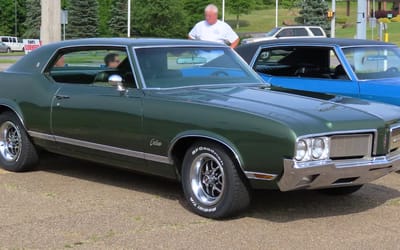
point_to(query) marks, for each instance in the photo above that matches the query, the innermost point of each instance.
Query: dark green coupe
(192, 111)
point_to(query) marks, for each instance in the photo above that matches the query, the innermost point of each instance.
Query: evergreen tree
(160, 18)
(33, 19)
(104, 17)
(119, 17)
(194, 10)
(7, 17)
(313, 12)
(82, 19)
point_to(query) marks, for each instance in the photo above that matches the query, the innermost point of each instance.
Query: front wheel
(211, 182)
(17, 153)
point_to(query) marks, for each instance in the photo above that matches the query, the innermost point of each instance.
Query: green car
(191, 111)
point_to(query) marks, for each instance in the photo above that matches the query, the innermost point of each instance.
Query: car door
(92, 119)
(308, 68)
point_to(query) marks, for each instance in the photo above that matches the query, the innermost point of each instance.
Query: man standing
(212, 29)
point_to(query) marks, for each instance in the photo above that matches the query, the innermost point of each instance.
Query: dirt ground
(68, 203)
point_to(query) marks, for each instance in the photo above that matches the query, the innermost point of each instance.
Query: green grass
(264, 20)
(8, 61)
(12, 54)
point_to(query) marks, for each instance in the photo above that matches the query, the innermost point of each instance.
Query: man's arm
(235, 43)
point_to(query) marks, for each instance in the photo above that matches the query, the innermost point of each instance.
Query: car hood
(306, 111)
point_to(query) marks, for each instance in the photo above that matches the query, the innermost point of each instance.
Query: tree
(194, 10)
(104, 17)
(33, 19)
(160, 18)
(7, 17)
(83, 19)
(240, 7)
(118, 22)
(313, 12)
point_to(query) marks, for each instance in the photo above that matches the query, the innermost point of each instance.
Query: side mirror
(116, 80)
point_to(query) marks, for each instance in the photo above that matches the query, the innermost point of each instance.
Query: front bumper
(328, 174)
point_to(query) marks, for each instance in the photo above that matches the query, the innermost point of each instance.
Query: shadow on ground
(269, 205)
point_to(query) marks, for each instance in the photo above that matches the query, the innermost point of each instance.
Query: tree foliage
(8, 9)
(313, 12)
(33, 19)
(160, 18)
(240, 7)
(104, 17)
(117, 24)
(82, 19)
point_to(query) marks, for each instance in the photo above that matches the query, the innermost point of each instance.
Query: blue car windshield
(174, 67)
(378, 62)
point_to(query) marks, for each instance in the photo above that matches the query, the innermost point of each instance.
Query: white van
(13, 42)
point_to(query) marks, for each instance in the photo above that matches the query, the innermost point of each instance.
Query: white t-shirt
(219, 32)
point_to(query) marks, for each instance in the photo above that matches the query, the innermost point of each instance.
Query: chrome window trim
(126, 47)
(101, 147)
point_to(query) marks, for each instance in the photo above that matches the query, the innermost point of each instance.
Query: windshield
(171, 67)
(374, 62)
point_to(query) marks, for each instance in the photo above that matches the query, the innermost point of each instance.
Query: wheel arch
(182, 142)
(4, 107)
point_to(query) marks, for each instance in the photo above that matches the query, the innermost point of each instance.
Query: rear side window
(300, 32)
(317, 32)
(4, 39)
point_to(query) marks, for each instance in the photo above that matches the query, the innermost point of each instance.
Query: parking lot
(68, 203)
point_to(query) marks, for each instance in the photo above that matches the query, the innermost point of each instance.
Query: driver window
(91, 66)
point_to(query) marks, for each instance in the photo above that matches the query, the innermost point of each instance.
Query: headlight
(312, 149)
(301, 150)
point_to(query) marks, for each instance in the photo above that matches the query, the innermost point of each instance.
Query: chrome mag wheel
(207, 179)
(10, 141)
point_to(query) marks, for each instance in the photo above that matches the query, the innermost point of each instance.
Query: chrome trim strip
(101, 147)
(172, 144)
(253, 175)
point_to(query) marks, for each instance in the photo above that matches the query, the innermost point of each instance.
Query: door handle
(60, 97)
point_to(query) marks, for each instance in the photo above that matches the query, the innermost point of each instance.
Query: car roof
(247, 51)
(342, 42)
(132, 42)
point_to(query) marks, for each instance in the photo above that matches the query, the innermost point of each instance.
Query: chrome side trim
(260, 176)
(101, 147)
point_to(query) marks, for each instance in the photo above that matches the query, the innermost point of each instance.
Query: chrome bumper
(326, 174)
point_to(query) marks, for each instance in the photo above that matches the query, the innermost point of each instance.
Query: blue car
(359, 68)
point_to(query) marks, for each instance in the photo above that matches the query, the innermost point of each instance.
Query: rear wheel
(17, 153)
(211, 182)
(341, 190)
(8, 50)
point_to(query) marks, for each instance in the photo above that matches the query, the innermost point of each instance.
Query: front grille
(394, 138)
(351, 146)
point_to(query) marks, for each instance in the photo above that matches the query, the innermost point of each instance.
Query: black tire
(211, 183)
(341, 190)
(8, 50)
(17, 152)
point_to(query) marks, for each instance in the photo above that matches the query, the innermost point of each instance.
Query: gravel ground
(68, 203)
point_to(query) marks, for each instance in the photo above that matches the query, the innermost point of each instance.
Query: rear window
(317, 32)
(4, 39)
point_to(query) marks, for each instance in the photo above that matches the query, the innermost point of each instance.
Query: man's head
(211, 14)
(112, 60)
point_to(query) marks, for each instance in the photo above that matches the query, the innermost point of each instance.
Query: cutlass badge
(155, 142)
